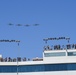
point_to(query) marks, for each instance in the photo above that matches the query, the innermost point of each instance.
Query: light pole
(10, 41)
(17, 57)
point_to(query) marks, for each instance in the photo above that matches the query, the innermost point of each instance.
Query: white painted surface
(44, 73)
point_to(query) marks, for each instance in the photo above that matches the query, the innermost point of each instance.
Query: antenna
(59, 38)
(45, 40)
(68, 39)
(57, 46)
(26, 25)
(4, 40)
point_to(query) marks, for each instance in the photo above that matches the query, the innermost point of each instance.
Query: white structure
(54, 62)
(0, 56)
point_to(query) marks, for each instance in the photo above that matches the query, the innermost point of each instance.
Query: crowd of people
(59, 47)
(9, 59)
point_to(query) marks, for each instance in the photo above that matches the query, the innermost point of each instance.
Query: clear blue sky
(56, 18)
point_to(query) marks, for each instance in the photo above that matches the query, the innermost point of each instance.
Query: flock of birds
(11, 24)
(27, 25)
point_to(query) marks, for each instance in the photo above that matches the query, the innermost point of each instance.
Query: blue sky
(56, 18)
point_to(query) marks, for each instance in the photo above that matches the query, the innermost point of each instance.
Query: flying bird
(36, 24)
(18, 25)
(10, 24)
(27, 25)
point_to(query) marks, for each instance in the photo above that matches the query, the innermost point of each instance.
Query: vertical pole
(17, 60)
(17, 67)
